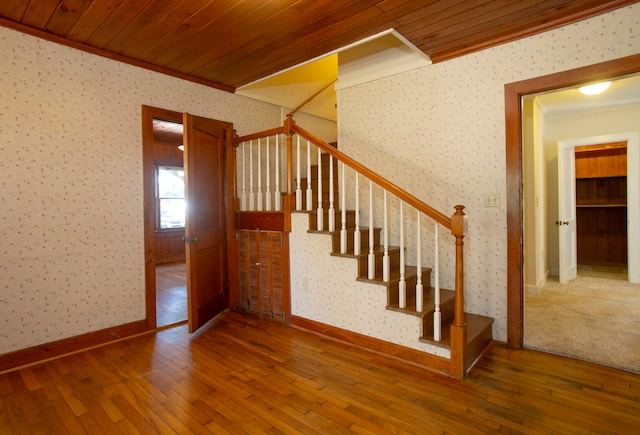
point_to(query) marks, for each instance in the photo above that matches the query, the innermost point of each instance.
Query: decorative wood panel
(264, 274)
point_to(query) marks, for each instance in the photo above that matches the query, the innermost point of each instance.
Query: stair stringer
(324, 289)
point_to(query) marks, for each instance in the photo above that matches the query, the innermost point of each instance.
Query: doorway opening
(515, 173)
(165, 163)
(575, 221)
(185, 216)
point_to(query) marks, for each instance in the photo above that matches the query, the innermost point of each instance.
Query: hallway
(595, 317)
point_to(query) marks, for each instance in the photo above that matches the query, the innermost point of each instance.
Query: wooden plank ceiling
(227, 44)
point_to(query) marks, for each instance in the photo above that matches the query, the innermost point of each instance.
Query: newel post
(289, 198)
(459, 328)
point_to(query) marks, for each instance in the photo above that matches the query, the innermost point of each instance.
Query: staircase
(408, 287)
(479, 332)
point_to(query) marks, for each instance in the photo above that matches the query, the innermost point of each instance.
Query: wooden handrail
(301, 105)
(266, 133)
(382, 182)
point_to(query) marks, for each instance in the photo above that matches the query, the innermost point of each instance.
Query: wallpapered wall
(71, 234)
(439, 133)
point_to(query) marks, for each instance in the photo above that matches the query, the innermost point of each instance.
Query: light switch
(492, 200)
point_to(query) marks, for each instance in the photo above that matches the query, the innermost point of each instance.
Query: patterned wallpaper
(71, 234)
(439, 133)
(71, 247)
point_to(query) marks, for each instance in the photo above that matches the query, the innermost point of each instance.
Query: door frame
(632, 138)
(514, 172)
(149, 205)
(148, 189)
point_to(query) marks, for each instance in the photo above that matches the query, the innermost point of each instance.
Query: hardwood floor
(171, 293)
(240, 374)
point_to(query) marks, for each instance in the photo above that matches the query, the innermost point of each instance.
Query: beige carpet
(595, 317)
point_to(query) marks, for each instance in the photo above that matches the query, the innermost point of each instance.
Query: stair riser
(351, 219)
(364, 240)
(363, 262)
(446, 313)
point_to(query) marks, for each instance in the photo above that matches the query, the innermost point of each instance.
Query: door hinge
(281, 240)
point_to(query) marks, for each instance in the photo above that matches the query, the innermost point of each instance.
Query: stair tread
(428, 303)
(394, 276)
(378, 249)
(476, 324)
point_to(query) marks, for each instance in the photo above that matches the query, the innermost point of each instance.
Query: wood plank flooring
(243, 375)
(171, 293)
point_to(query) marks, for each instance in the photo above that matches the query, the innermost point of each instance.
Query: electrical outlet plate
(492, 200)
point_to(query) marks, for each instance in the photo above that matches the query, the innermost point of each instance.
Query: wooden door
(205, 232)
(567, 238)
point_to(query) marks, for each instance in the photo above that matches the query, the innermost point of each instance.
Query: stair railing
(293, 201)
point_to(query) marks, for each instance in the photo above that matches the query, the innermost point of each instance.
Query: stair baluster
(372, 256)
(343, 210)
(402, 284)
(309, 190)
(259, 193)
(320, 211)
(277, 193)
(357, 248)
(332, 211)
(298, 181)
(385, 231)
(252, 195)
(437, 315)
(267, 194)
(419, 287)
(243, 196)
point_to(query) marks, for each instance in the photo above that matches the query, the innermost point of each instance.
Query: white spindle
(309, 190)
(386, 269)
(436, 284)
(299, 182)
(259, 193)
(343, 229)
(332, 211)
(252, 195)
(372, 256)
(419, 294)
(320, 211)
(267, 194)
(277, 193)
(356, 234)
(243, 197)
(402, 284)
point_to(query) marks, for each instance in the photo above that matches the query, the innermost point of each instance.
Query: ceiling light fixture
(594, 89)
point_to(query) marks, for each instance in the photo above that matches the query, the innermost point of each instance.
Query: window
(170, 200)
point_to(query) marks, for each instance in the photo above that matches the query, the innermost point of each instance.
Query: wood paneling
(226, 44)
(598, 162)
(602, 236)
(169, 246)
